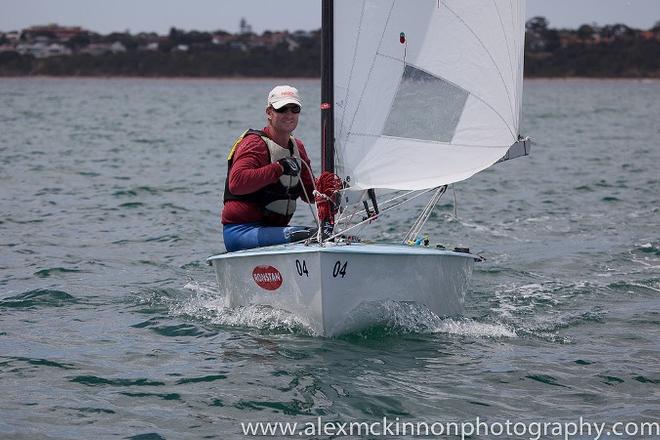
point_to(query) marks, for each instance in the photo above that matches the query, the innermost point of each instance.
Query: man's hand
(290, 166)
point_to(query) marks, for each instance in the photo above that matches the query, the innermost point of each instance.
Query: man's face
(284, 118)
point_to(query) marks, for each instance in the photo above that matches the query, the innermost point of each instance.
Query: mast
(327, 87)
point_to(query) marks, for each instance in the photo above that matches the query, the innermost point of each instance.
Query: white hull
(329, 288)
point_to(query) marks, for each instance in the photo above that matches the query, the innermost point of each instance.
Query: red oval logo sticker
(267, 277)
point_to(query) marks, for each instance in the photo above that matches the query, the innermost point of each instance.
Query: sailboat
(415, 96)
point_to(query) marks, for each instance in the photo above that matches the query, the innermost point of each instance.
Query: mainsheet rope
(326, 190)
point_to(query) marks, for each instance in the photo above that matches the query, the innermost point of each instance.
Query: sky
(105, 16)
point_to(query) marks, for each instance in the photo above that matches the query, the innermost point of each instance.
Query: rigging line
(391, 200)
(350, 219)
(314, 213)
(506, 88)
(381, 212)
(348, 223)
(413, 233)
(415, 228)
(425, 214)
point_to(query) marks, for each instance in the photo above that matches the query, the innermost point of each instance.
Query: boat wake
(208, 306)
(469, 327)
(402, 318)
(387, 318)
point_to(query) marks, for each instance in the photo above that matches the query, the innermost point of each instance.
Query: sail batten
(425, 90)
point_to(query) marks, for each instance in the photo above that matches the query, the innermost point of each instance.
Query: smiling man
(265, 177)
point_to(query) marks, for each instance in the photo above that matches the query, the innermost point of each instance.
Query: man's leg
(270, 235)
(241, 236)
(252, 235)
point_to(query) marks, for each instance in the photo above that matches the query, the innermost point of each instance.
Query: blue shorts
(253, 235)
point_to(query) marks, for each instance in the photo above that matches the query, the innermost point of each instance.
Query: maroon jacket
(251, 170)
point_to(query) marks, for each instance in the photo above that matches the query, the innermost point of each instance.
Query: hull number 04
(339, 269)
(301, 268)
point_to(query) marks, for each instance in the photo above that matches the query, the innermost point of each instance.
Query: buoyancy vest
(277, 200)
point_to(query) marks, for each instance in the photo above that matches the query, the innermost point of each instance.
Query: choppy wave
(35, 362)
(651, 286)
(647, 256)
(512, 300)
(45, 273)
(650, 248)
(162, 326)
(38, 298)
(545, 310)
(147, 436)
(95, 381)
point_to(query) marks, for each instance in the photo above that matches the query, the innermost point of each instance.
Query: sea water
(111, 326)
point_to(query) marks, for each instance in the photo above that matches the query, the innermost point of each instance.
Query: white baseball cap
(283, 95)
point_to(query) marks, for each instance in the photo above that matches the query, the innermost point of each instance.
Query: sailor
(265, 177)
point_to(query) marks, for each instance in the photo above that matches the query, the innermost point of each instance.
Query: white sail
(435, 109)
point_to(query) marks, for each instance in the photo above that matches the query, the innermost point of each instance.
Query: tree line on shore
(589, 51)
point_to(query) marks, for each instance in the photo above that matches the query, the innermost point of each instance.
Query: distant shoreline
(589, 52)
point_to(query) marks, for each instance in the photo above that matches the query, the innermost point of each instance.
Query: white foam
(206, 304)
(200, 288)
(408, 317)
(401, 317)
(475, 329)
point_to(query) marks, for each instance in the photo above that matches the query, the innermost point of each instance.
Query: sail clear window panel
(425, 107)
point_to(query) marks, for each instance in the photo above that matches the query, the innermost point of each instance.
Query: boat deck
(343, 248)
